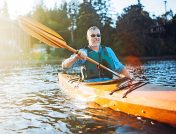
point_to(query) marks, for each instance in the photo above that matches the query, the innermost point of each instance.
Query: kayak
(149, 101)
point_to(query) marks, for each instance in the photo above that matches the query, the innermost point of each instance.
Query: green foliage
(86, 18)
(131, 27)
(102, 8)
(130, 36)
(73, 10)
(39, 13)
(56, 19)
(133, 37)
(108, 34)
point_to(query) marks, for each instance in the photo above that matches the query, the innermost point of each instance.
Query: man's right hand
(81, 55)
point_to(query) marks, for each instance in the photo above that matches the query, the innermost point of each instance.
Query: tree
(102, 8)
(86, 18)
(131, 27)
(108, 34)
(39, 13)
(58, 20)
(73, 9)
(4, 10)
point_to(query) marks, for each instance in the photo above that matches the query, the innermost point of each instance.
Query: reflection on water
(31, 102)
(157, 72)
(161, 72)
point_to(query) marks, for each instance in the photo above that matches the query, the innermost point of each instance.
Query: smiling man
(96, 51)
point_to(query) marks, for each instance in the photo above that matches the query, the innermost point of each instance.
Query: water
(31, 102)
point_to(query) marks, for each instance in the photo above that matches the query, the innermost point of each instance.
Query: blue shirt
(118, 65)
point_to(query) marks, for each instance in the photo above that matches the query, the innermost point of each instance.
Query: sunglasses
(93, 35)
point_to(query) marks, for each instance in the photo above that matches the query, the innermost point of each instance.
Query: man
(99, 53)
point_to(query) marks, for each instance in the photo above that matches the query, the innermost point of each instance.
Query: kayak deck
(153, 102)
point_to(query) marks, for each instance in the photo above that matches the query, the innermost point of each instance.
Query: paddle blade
(40, 26)
(37, 36)
(41, 32)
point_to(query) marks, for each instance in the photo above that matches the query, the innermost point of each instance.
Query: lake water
(31, 102)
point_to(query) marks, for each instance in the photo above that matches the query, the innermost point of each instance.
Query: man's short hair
(92, 28)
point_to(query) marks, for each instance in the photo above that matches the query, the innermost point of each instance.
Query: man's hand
(81, 55)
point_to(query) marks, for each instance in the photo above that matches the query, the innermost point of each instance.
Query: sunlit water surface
(31, 102)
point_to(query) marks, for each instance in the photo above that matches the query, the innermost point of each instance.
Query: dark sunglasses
(93, 35)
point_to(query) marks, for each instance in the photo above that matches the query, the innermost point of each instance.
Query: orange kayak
(149, 101)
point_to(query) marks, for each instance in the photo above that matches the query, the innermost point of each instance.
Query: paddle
(52, 38)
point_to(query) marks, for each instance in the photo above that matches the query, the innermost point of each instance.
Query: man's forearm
(69, 62)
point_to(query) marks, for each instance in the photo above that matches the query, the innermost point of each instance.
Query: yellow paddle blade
(37, 28)
(38, 36)
(40, 26)
(42, 35)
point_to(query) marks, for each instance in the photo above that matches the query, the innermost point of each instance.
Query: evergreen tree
(131, 28)
(73, 9)
(58, 20)
(86, 18)
(102, 8)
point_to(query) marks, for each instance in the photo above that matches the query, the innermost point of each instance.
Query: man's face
(94, 38)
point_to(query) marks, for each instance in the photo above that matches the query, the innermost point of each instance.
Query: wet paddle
(50, 37)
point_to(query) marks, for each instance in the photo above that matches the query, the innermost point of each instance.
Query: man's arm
(69, 62)
(74, 58)
(119, 67)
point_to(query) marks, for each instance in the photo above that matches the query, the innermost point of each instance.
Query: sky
(157, 7)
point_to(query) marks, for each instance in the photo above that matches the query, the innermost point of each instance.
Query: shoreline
(127, 59)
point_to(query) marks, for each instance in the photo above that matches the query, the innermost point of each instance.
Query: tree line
(134, 32)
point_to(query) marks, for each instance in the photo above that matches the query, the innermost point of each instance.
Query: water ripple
(32, 103)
